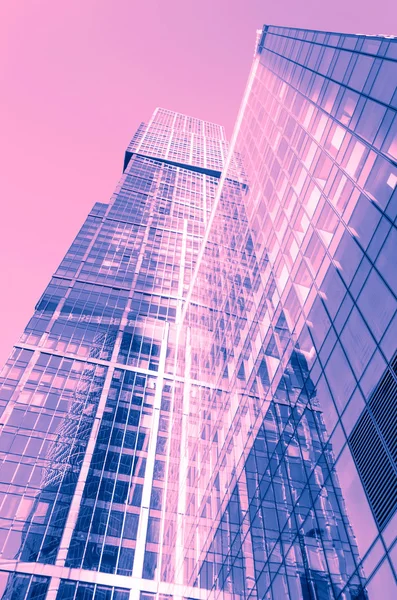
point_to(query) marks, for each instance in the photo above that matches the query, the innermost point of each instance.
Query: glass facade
(87, 394)
(291, 319)
(204, 404)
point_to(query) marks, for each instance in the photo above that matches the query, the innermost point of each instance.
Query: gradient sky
(76, 79)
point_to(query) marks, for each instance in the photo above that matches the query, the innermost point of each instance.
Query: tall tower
(292, 318)
(87, 393)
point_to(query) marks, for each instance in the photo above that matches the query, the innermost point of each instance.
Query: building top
(185, 141)
(369, 43)
(178, 121)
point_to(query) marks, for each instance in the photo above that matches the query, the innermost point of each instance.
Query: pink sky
(77, 77)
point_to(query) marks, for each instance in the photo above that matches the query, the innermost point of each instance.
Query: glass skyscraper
(204, 404)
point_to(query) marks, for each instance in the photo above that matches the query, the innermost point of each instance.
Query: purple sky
(77, 77)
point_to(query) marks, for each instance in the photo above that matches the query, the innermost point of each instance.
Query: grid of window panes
(293, 446)
(87, 394)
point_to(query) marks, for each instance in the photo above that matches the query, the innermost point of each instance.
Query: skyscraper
(204, 402)
(292, 319)
(87, 392)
